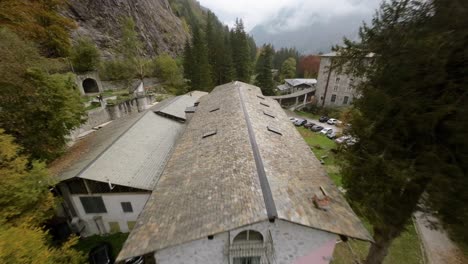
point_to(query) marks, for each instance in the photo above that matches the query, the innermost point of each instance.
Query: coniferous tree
(241, 52)
(264, 78)
(201, 68)
(188, 62)
(411, 118)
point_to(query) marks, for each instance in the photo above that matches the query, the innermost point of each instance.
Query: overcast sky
(255, 12)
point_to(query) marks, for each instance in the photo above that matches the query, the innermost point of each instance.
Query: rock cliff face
(159, 29)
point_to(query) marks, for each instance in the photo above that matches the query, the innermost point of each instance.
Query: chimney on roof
(321, 199)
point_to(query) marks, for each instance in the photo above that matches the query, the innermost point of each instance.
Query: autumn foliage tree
(38, 108)
(308, 66)
(40, 22)
(25, 203)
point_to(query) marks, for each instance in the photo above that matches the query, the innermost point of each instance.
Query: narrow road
(438, 247)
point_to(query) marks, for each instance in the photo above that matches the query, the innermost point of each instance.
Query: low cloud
(284, 15)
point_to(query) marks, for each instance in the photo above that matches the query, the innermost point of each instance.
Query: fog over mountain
(309, 25)
(318, 36)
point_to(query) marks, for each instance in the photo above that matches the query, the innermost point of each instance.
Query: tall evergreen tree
(411, 119)
(241, 52)
(201, 79)
(264, 78)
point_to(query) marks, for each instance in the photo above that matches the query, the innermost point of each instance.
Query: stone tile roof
(237, 165)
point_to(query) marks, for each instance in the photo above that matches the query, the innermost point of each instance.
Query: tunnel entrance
(90, 86)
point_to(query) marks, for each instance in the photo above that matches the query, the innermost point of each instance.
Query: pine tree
(264, 78)
(411, 119)
(201, 79)
(241, 52)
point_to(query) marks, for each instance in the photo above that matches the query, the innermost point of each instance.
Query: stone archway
(90, 86)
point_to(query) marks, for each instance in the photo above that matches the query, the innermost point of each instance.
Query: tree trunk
(379, 250)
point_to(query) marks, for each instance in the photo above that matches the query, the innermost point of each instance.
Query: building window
(333, 98)
(345, 100)
(248, 235)
(351, 84)
(248, 247)
(335, 88)
(247, 260)
(93, 205)
(127, 207)
(337, 80)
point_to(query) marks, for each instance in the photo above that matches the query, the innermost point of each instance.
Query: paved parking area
(325, 125)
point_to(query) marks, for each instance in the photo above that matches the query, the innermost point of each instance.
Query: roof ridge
(264, 184)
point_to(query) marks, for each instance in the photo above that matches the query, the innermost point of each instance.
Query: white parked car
(326, 131)
(293, 119)
(342, 139)
(332, 121)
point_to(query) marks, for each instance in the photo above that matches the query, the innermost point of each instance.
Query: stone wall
(118, 85)
(292, 244)
(112, 112)
(340, 85)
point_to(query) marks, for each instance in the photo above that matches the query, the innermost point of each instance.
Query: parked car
(332, 121)
(332, 135)
(300, 122)
(323, 119)
(342, 139)
(292, 119)
(309, 125)
(326, 131)
(316, 128)
(101, 254)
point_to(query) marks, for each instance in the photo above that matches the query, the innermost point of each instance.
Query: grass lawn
(405, 249)
(116, 240)
(322, 148)
(307, 114)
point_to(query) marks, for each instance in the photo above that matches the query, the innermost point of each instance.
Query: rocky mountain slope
(159, 28)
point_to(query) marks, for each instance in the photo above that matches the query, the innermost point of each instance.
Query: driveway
(438, 247)
(315, 121)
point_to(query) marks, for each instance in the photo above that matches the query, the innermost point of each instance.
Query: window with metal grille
(247, 260)
(127, 207)
(333, 98)
(93, 205)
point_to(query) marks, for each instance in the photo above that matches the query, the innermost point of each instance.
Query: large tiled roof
(231, 168)
(176, 108)
(131, 151)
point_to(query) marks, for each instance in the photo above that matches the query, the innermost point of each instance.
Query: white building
(335, 88)
(107, 178)
(294, 85)
(241, 187)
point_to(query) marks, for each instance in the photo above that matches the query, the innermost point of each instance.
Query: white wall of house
(290, 242)
(115, 213)
(341, 85)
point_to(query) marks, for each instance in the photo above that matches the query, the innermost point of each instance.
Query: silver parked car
(326, 131)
